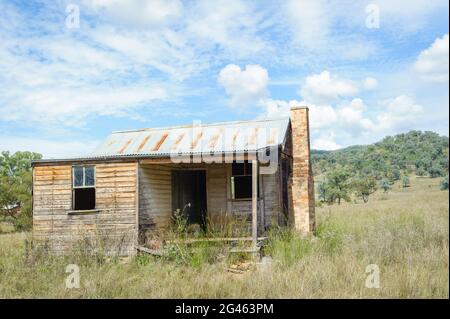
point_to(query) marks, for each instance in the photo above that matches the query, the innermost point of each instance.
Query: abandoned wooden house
(135, 182)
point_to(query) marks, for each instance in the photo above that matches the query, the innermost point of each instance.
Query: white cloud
(432, 64)
(309, 21)
(325, 141)
(408, 17)
(370, 83)
(47, 147)
(137, 12)
(400, 113)
(351, 116)
(324, 88)
(72, 106)
(229, 27)
(246, 86)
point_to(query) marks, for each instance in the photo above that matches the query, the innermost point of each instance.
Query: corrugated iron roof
(194, 139)
(216, 138)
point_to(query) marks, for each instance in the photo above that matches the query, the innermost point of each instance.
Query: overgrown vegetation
(422, 153)
(405, 234)
(360, 170)
(15, 188)
(403, 228)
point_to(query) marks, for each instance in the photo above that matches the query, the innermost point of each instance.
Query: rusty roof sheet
(224, 137)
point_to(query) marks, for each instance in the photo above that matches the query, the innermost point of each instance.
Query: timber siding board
(155, 197)
(115, 220)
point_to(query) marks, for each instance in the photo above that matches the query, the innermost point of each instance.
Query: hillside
(421, 153)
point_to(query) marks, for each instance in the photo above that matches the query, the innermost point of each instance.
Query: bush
(435, 171)
(405, 181)
(384, 184)
(444, 183)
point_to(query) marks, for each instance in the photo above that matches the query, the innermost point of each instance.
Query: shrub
(384, 184)
(405, 181)
(444, 183)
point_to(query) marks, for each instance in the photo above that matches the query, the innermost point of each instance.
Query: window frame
(84, 186)
(245, 174)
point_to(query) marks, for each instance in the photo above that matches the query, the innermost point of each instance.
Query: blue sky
(366, 69)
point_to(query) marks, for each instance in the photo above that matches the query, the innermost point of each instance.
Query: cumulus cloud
(432, 64)
(324, 88)
(399, 113)
(352, 116)
(325, 141)
(246, 86)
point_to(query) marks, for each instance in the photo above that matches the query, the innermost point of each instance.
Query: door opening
(189, 195)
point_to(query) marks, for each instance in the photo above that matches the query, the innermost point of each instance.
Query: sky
(71, 72)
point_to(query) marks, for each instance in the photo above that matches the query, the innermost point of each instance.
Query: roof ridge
(202, 124)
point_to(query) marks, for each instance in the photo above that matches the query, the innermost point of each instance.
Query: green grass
(405, 232)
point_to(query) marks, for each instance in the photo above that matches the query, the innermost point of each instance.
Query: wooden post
(254, 203)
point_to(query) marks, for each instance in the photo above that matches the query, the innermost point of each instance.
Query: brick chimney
(302, 183)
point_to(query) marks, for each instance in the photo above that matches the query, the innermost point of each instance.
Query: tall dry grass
(404, 232)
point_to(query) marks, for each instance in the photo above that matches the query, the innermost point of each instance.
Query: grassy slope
(405, 233)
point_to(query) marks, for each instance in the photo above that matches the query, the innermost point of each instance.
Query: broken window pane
(238, 169)
(242, 187)
(84, 198)
(89, 176)
(248, 168)
(77, 176)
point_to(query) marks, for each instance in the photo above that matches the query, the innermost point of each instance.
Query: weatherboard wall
(112, 227)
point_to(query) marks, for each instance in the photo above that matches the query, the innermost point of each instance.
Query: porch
(207, 195)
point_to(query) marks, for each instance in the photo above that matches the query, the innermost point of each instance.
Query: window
(241, 180)
(83, 192)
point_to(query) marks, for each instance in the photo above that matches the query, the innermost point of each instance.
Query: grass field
(404, 232)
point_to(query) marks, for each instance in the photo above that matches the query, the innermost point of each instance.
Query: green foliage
(337, 185)
(405, 181)
(15, 186)
(384, 184)
(425, 153)
(364, 187)
(444, 183)
(435, 170)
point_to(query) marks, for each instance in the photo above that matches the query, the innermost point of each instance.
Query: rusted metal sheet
(208, 138)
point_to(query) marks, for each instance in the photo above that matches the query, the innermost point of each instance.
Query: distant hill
(422, 153)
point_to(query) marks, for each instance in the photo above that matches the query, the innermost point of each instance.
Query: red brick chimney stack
(302, 176)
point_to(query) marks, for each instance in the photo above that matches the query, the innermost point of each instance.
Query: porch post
(254, 202)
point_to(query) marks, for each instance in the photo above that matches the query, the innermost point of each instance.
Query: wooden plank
(150, 251)
(255, 202)
(219, 239)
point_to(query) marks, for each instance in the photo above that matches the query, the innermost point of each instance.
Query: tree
(420, 171)
(435, 170)
(396, 174)
(16, 185)
(405, 181)
(444, 183)
(337, 185)
(426, 153)
(322, 190)
(385, 185)
(364, 187)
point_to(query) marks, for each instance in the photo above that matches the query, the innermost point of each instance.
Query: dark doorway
(189, 195)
